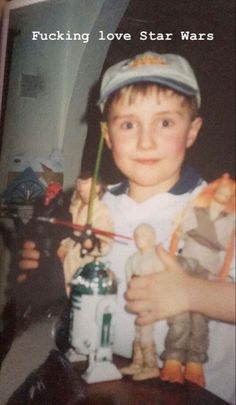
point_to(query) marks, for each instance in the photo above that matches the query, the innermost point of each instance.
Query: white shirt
(160, 211)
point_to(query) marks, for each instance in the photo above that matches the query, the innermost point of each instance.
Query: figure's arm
(64, 247)
(159, 296)
(103, 221)
(128, 270)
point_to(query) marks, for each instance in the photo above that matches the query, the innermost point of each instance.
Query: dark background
(212, 61)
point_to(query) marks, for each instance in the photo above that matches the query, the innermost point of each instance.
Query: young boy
(150, 104)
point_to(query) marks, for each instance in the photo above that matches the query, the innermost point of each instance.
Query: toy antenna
(95, 175)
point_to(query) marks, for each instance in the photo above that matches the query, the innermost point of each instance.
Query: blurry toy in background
(83, 246)
(204, 235)
(47, 169)
(27, 179)
(44, 286)
(93, 295)
(18, 198)
(25, 188)
(144, 261)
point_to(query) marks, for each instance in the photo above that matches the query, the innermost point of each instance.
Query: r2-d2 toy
(93, 294)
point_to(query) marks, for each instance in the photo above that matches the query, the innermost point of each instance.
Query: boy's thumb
(165, 257)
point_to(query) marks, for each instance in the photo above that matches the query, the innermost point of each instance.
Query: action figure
(206, 233)
(144, 261)
(39, 289)
(79, 254)
(83, 247)
(93, 294)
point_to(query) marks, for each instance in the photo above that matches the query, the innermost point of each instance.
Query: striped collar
(188, 181)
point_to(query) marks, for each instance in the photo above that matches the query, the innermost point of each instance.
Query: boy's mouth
(147, 162)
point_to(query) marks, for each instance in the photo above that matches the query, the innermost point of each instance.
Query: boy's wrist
(213, 298)
(193, 294)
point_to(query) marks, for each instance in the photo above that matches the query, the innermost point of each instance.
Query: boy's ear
(105, 133)
(194, 131)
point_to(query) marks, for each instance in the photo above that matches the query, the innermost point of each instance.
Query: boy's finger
(135, 294)
(29, 244)
(138, 282)
(28, 264)
(145, 319)
(30, 254)
(168, 261)
(138, 307)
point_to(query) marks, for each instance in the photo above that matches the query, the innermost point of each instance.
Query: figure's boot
(194, 372)
(172, 371)
(137, 360)
(150, 369)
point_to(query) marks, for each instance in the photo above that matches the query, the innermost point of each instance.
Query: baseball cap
(170, 70)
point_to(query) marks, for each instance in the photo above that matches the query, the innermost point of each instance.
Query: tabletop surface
(63, 383)
(148, 392)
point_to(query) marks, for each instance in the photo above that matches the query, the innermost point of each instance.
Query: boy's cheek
(118, 144)
(175, 146)
(112, 138)
(118, 153)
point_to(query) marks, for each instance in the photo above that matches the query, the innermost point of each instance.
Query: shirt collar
(188, 181)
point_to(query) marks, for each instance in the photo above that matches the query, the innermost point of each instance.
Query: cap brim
(172, 84)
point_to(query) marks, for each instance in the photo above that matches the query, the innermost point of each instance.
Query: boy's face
(148, 139)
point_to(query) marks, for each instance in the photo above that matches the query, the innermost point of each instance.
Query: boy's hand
(159, 295)
(29, 256)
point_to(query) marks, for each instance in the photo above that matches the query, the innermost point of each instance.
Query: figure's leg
(197, 349)
(150, 369)
(174, 355)
(71, 263)
(172, 371)
(137, 360)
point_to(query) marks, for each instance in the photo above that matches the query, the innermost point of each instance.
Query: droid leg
(73, 356)
(91, 361)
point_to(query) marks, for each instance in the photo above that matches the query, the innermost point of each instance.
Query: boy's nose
(146, 139)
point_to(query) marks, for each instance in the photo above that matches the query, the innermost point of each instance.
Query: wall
(54, 119)
(88, 70)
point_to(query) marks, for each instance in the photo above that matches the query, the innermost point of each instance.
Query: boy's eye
(166, 123)
(127, 125)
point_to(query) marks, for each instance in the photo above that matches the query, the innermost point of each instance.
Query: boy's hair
(143, 88)
(168, 70)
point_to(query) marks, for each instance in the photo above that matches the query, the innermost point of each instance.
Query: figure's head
(225, 191)
(84, 184)
(220, 191)
(145, 237)
(150, 104)
(52, 190)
